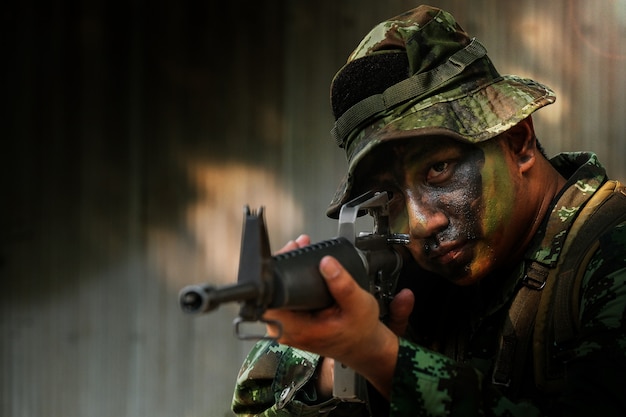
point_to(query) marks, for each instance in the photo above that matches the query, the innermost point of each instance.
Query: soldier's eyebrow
(428, 146)
(386, 165)
(410, 153)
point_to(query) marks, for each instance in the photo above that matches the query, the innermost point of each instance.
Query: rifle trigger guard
(241, 335)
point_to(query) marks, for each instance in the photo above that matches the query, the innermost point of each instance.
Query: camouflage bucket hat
(419, 74)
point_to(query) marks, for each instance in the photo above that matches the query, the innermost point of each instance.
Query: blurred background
(134, 133)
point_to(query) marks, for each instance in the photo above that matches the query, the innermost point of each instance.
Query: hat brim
(470, 116)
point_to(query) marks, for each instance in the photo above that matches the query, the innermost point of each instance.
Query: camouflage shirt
(446, 369)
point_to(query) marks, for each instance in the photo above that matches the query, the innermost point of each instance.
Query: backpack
(544, 314)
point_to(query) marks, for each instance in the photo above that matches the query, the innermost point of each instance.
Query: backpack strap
(557, 321)
(517, 328)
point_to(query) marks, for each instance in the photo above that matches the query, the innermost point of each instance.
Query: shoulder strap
(557, 321)
(517, 329)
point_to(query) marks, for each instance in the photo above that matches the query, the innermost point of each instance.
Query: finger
(325, 378)
(343, 288)
(301, 241)
(273, 329)
(400, 310)
(291, 245)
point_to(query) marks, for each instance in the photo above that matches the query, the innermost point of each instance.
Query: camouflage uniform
(419, 74)
(455, 379)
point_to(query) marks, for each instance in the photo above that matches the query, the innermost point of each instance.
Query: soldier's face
(456, 202)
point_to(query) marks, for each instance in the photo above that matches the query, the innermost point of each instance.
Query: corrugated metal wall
(134, 134)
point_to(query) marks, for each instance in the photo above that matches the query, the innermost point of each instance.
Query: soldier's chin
(464, 274)
(471, 274)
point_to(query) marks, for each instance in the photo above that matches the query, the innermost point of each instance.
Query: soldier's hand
(348, 331)
(400, 310)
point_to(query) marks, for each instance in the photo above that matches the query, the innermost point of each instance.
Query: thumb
(341, 285)
(400, 310)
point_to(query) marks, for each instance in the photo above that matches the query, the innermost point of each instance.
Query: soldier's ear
(523, 144)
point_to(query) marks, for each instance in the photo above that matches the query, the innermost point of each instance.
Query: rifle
(292, 280)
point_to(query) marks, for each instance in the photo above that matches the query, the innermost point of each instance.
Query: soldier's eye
(437, 170)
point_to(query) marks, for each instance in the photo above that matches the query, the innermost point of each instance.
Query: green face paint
(498, 189)
(498, 207)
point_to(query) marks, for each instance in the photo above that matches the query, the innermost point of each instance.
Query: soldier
(518, 305)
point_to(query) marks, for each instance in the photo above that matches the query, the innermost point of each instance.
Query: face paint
(499, 199)
(453, 199)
